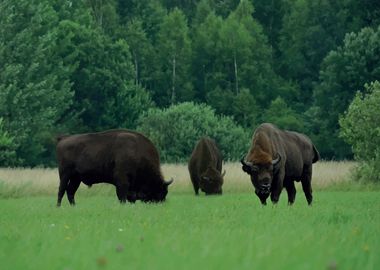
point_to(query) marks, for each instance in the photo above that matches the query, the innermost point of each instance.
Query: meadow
(233, 231)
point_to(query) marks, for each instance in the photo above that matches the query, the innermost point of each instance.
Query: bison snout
(264, 188)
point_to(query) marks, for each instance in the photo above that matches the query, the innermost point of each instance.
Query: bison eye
(255, 168)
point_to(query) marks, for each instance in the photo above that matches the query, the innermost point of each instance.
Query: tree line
(83, 66)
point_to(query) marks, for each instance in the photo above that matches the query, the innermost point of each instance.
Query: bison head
(155, 193)
(211, 181)
(262, 175)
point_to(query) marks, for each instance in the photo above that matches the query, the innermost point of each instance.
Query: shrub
(360, 127)
(176, 130)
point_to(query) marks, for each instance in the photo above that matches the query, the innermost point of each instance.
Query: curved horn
(167, 183)
(224, 173)
(249, 164)
(277, 160)
(206, 178)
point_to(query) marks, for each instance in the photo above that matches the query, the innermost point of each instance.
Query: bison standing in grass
(124, 158)
(205, 166)
(276, 159)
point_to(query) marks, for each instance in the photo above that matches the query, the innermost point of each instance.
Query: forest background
(177, 70)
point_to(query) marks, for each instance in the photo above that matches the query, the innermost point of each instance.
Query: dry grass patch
(29, 182)
(325, 174)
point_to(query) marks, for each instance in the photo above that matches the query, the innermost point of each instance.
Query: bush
(176, 130)
(7, 148)
(360, 127)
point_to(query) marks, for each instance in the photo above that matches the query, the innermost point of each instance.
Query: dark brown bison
(205, 166)
(276, 159)
(124, 158)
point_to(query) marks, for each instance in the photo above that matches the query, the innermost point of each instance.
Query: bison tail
(316, 154)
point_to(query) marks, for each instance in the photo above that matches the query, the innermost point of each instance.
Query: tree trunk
(96, 6)
(173, 83)
(204, 81)
(236, 76)
(136, 71)
(271, 41)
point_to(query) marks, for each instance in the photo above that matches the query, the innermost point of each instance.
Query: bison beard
(124, 158)
(276, 159)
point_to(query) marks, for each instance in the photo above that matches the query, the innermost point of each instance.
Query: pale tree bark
(136, 70)
(173, 98)
(97, 6)
(236, 75)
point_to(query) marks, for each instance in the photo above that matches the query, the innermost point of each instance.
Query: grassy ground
(340, 231)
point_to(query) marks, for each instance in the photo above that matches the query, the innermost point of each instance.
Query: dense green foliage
(7, 147)
(176, 130)
(232, 231)
(361, 128)
(344, 72)
(84, 66)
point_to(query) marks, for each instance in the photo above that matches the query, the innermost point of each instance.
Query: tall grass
(31, 182)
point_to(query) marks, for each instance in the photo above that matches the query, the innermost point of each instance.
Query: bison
(276, 159)
(205, 166)
(124, 158)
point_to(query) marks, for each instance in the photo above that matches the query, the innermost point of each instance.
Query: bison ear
(276, 163)
(247, 166)
(167, 183)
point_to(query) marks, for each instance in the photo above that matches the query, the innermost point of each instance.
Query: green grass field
(233, 231)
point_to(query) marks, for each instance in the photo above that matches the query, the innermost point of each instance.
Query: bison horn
(224, 173)
(247, 166)
(206, 178)
(277, 160)
(167, 183)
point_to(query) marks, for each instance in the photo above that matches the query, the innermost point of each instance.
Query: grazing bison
(124, 158)
(205, 166)
(276, 159)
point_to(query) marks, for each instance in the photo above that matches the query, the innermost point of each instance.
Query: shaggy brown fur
(262, 153)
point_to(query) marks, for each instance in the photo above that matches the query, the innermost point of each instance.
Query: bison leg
(64, 180)
(277, 186)
(195, 182)
(275, 197)
(131, 197)
(196, 188)
(121, 192)
(71, 189)
(291, 189)
(306, 184)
